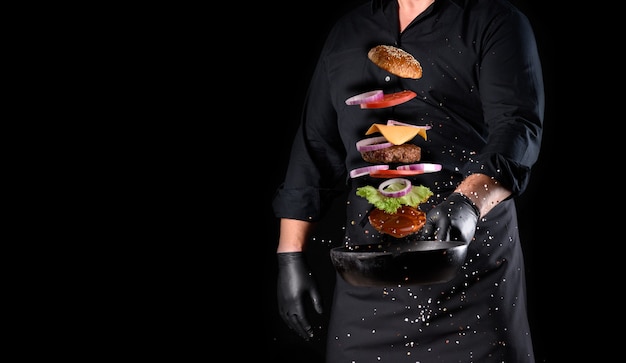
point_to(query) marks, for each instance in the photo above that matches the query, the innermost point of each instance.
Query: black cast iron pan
(399, 263)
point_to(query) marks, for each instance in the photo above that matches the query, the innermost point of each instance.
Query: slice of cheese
(395, 134)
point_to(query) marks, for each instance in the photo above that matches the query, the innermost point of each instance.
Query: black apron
(479, 316)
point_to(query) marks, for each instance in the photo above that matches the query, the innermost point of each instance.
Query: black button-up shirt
(481, 92)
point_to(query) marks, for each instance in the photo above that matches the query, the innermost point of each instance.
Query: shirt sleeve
(316, 171)
(512, 94)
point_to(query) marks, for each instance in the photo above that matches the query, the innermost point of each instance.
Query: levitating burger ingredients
(396, 61)
(392, 146)
(405, 153)
(397, 133)
(407, 220)
(365, 97)
(396, 204)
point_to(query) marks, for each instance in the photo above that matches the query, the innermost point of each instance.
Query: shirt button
(387, 79)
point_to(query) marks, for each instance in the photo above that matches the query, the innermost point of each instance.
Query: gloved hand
(454, 219)
(295, 284)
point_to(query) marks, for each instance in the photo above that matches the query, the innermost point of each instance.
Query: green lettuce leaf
(418, 194)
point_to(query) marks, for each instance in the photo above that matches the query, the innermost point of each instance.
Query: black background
(546, 210)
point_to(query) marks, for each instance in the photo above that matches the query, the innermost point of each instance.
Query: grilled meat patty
(405, 153)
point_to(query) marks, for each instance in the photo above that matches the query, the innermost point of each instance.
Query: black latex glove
(295, 284)
(453, 220)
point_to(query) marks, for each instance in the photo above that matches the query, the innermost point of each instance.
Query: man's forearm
(293, 235)
(484, 191)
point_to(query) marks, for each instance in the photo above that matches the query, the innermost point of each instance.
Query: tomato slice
(390, 99)
(394, 173)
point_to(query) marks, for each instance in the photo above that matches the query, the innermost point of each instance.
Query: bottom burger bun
(405, 221)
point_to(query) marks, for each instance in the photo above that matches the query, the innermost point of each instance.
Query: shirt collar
(380, 4)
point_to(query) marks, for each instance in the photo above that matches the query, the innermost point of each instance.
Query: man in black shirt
(481, 93)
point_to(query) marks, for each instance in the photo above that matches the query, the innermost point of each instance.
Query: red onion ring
(367, 169)
(366, 97)
(398, 123)
(395, 194)
(425, 167)
(372, 143)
